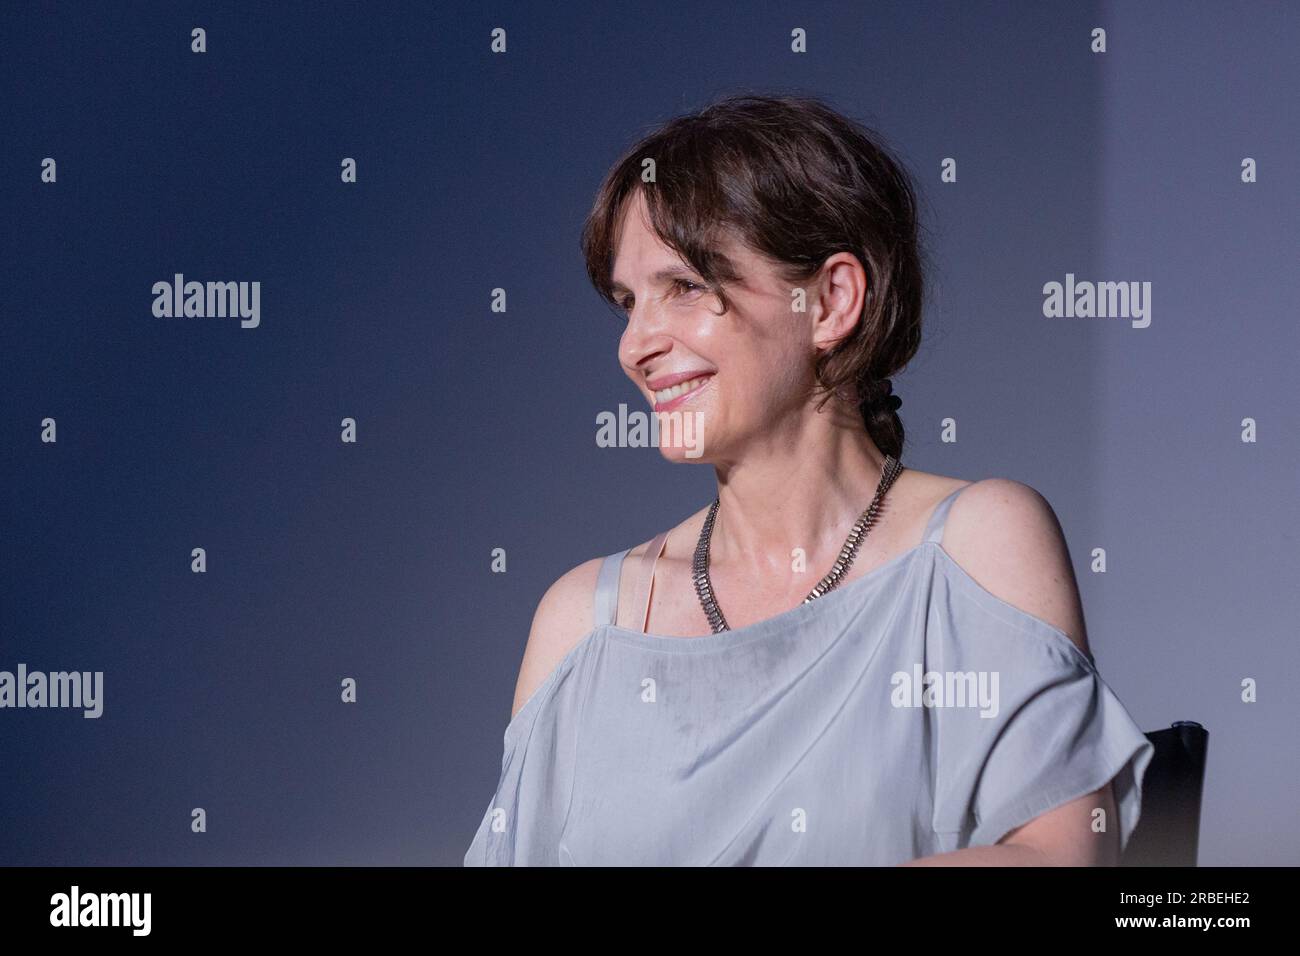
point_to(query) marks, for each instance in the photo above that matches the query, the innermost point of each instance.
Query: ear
(838, 293)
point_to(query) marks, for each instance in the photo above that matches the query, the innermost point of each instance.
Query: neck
(800, 486)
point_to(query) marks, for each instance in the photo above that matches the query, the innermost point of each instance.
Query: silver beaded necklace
(700, 574)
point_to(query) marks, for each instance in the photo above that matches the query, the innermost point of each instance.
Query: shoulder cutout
(562, 619)
(1006, 537)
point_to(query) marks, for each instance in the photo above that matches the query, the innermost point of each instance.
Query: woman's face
(731, 378)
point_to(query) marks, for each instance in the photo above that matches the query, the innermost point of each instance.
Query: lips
(676, 378)
(678, 388)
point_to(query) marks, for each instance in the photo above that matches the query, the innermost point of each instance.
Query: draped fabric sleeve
(525, 817)
(1046, 730)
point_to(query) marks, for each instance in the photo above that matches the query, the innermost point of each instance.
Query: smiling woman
(732, 695)
(752, 200)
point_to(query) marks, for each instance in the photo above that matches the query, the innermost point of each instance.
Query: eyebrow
(671, 272)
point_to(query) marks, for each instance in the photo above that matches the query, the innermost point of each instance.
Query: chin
(681, 435)
(683, 456)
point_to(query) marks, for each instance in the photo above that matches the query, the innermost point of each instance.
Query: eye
(683, 286)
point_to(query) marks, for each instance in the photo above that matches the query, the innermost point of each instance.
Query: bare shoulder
(565, 614)
(562, 619)
(681, 536)
(678, 551)
(1005, 535)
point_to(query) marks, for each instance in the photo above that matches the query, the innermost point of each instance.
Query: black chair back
(1168, 831)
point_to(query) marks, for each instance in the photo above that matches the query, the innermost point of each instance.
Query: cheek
(777, 359)
(764, 361)
(757, 384)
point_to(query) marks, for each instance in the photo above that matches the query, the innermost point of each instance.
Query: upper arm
(1065, 836)
(563, 616)
(1005, 535)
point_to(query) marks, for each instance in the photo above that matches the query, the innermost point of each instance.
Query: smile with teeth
(680, 389)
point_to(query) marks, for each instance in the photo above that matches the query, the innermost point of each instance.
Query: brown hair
(797, 182)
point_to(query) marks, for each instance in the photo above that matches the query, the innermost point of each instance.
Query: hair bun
(883, 398)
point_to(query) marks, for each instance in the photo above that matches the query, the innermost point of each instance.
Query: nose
(644, 337)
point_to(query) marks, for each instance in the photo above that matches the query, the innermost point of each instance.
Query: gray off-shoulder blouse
(906, 713)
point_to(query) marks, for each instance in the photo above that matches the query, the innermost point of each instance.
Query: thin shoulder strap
(939, 517)
(605, 606)
(645, 580)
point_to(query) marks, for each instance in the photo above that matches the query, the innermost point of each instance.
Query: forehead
(639, 251)
(636, 245)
